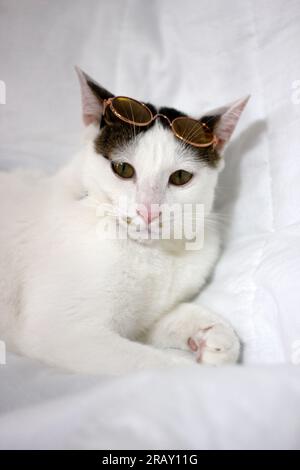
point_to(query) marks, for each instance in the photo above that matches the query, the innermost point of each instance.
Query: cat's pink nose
(148, 213)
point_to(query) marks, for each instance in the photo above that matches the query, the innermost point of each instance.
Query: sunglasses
(134, 112)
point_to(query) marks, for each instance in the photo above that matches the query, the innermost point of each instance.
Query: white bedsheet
(193, 55)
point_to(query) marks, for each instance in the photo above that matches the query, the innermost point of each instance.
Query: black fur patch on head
(206, 154)
(114, 136)
(171, 114)
(118, 134)
(211, 121)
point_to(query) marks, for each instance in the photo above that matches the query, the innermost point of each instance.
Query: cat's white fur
(90, 304)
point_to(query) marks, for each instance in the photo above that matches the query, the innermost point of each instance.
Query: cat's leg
(194, 328)
(92, 350)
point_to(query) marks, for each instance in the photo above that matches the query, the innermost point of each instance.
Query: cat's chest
(147, 282)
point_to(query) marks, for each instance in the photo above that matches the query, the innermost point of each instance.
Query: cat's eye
(123, 169)
(180, 177)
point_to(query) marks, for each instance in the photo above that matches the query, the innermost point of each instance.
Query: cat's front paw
(215, 345)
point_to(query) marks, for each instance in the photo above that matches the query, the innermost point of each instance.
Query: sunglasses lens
(131, 111)
(191, 131)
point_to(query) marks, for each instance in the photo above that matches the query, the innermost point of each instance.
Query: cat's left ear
(222, 121)
(92, 96)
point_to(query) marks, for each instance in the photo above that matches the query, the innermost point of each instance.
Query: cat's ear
(92, 96)
(222, 121)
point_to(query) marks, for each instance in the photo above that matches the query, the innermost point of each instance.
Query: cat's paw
(215, 345)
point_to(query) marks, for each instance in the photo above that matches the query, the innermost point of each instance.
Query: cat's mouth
(182, 224)
(137, 229)
(162, 228)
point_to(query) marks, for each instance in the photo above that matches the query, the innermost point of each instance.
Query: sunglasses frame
(109, 103)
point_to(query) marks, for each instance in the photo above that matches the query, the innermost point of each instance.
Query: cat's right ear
(92, 96)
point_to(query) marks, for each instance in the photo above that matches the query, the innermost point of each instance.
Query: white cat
(89, 303)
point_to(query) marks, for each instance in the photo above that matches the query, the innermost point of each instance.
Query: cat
(88, 303)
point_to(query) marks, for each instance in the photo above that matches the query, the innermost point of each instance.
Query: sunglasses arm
(106, 103)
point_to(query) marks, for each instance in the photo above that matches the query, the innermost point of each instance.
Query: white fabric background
(194, 55)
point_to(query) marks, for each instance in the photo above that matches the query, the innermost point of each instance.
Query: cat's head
(150, 167)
